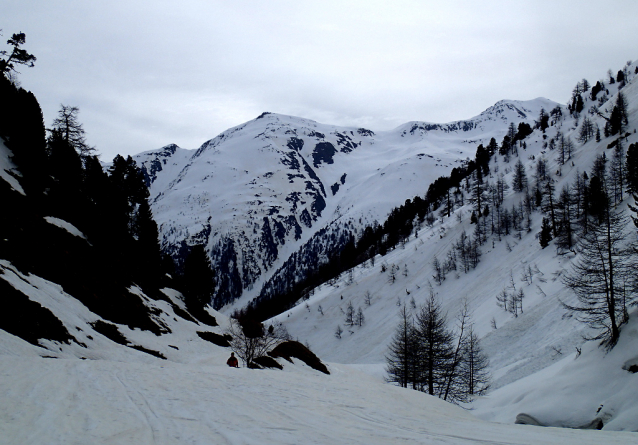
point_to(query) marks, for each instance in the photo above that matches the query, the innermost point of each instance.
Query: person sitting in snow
(232, 361)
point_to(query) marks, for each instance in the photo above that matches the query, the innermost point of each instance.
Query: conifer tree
(546, 233)
(631, 168)
(564, 213)
(474, 369)
(519, 183)
(548, 204)
(350, 315)
(618, 118)
(598, 276)
(617, 172)
(198, 279)
(17, 55)
(401, 360)
(435, 348)
(71, 130)
(587, 130)
(543, 120)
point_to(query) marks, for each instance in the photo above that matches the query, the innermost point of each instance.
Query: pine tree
(543, 120)
(150, 253)
(17, 56)
(618, 118)
(597, 199)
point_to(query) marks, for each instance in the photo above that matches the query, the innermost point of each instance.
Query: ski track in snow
(105, 402)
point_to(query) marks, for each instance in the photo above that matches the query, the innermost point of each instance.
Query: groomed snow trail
(47, 401)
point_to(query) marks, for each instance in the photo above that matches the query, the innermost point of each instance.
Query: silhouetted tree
(16, 56)
(198, 279)
(546, 233)
(71, 130)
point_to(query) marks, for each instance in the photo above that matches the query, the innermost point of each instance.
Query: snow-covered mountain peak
(492, 122)
(256, 192)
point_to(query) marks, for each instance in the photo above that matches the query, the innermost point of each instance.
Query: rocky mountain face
(258, 192)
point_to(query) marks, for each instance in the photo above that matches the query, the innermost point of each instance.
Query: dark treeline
(60, 178)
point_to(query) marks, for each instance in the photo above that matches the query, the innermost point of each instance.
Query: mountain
(95, 345)
(258, 192)
(540, 363)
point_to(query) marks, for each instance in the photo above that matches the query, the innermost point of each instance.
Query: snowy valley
(90, 357)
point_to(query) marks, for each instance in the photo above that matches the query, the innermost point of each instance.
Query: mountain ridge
(323, 168)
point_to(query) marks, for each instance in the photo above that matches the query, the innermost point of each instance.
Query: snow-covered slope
(535, 365)
(257, 192)
(180, 341)
(105, 402)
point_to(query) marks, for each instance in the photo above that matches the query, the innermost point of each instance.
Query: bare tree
(68, 125)
(401, 358)
(350, 314)
(360, 318)
(367, 298)
(451, 388)
(251, 340)
(474, 370)
(598, 277)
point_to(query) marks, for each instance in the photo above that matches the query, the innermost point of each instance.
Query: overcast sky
(148, 73)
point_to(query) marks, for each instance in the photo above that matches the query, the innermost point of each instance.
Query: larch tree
(631, 168)
(474, 367)
(519, 182)
(69, 126)
(599, 276)
(435, 348)
(400, 361)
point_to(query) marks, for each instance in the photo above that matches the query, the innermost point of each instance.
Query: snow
(227, 186)
(65, 225)
(7, 167)
(532, 356)
(102, 401)
(117, 394)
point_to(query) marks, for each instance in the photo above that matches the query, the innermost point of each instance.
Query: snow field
(108, 402)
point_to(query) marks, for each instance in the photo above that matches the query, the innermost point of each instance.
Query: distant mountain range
(256, 193)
